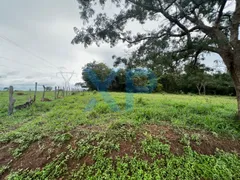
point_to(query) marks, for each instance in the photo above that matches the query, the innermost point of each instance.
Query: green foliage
(196, 138)
(140, 101)
(153, 147)
(62, 137)
(189, 78)
(191, 166)
(3, 169)
(94, 74)
(102, 108)
(93, 141)
(165, 54)
(159, 88)
(185, 139)
(53, 170)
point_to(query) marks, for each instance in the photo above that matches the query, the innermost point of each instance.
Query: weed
(3, 169)
(185, 139)
(153, 147)
(62, 137)
(92, 115)
(196, 138)
(140, 101)
(99, 133)
(102, 108)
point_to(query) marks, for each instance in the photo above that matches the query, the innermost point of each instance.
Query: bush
(20, 93)
(141, 101)
(159, 88)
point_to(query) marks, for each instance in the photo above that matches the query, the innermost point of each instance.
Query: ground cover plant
(163, 136)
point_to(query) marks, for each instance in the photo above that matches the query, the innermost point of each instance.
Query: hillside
(94, 136)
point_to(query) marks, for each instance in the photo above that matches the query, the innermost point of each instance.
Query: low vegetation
(162, 136)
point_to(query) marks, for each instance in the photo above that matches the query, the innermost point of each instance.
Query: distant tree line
(168, 77)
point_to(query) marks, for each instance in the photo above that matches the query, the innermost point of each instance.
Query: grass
(85, 139)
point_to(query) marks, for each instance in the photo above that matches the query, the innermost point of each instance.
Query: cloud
(41, 34)
(13, 73)
(3, 76)
(43, 29)
(29, 77)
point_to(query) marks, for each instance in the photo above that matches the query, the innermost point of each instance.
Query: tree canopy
(191, 79)
(184, 30)
(192, 26)
(95, 74)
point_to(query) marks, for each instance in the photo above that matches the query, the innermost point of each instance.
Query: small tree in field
(94, 74)
(48, 88)
(192, 27)
(198, 75)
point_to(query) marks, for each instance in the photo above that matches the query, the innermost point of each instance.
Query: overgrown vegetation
(189, 78)
(162, 137)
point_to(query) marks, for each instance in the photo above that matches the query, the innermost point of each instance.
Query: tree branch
(168, 33)
(220, 13)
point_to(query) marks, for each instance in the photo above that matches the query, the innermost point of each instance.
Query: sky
(35, 43)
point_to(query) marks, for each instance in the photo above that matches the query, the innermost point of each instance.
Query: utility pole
(67, 76)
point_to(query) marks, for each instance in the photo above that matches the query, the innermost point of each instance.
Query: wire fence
(12, 99)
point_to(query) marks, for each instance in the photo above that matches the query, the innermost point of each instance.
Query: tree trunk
(204, 89)
(199, 87)
(235, 74)
(231, 56)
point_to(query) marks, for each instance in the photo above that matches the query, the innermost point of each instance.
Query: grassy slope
(164, 136)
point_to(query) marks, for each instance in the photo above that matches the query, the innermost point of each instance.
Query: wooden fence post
(58, 92)
(63, 92)
(29, 94)
(55, 92)
(43, 96)
(11, 101)
(35, 93)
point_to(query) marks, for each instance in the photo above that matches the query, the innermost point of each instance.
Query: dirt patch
(74, 163)
(126, 148)
(37, 155)
(89, 128)
(42, 152)
(87, 160)
(208, 144)
(20, 93)
(167, 135)
(5, 153)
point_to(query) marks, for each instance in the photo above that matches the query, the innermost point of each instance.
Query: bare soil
(40, 153)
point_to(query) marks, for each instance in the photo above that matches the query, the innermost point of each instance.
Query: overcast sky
(35, 42)
(44, 28)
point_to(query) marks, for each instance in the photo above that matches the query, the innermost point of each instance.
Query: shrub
(159, 88)
(20, 93)
(102, 108)
(141, 101)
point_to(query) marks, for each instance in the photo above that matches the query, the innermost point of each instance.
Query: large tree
(193, 27)
(96, 75)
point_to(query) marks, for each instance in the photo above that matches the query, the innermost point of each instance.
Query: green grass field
(163, 137)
